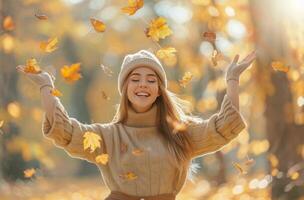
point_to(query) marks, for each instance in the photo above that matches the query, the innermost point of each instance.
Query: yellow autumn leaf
(31, 66)
(279, 66)
(50, 45)
(56, 92)
(158, 29)
(8, 23)
(28, 173)
(128, 176)
(166, 52)
(103, 158)
(71, 73)
(91, 140)
(1, 123)
(98, 25)
(133, 6)
(186, 79)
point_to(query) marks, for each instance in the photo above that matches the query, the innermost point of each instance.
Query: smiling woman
(146, 151)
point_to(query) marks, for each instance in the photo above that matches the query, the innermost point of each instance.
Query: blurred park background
(264, 162)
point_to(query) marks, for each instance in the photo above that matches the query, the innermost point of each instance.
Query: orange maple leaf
(98, 25)
(50, 45)
(56, 92)
(158, 29)
(133, 6)
(8, 23)
(71, 73)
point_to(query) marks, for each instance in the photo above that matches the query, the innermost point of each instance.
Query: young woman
(149, 155)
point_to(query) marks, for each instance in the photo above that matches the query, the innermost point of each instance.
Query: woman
(149, 155)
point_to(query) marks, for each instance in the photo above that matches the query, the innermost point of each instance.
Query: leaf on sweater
(28, 173)
(50, 45)
(32, 67)
(137, 152)
(209, 36)
(166, 52)
(158, 29)
(98, 25)
(55, 92)
(128, 176)
(279, 66)
(91, 140)
(133, 6)
(103, 158)
(8, 23)
(106, 70)
(71, 73)
(41, 16)
(186, 79)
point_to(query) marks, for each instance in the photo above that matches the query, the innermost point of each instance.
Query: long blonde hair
(171, 110)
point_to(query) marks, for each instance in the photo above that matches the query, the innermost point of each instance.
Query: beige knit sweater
(154, 171)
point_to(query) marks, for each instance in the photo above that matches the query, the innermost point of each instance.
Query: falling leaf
(50, 45)
(8, 23)
(279, 66)
(103, 158)
(133, 6)
(239, 168)
(128, 176)
(71, 73)
(209, 36)
(91, 140)
(32, 66)
(137, 152)
(166, 52)
(106, 70)
(123, 147)
(1, 123)
(158, 29)
(186, 79)
(56, 92)
(104, 95)
(41, 16)
(28, 173)
(98, 25)
(216, 56)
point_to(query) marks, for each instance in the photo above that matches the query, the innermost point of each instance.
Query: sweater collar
(144, 119)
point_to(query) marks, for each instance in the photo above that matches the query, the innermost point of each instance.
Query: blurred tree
(284, 135)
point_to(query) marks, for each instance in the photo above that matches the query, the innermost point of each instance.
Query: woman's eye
(151, 81)
(135, 80)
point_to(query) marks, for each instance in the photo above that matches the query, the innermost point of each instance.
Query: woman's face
(142, 88)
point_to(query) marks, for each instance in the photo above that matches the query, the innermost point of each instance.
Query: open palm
(235, 69)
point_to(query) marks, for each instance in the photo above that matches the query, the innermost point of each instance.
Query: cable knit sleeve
(67, 133)
(212, 134)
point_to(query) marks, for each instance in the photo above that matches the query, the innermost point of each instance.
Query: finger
(235, 59)
(250, 57)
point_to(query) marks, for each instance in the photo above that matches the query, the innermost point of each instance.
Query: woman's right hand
(40, 79)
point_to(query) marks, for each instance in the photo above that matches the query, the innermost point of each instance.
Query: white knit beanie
(142, 58)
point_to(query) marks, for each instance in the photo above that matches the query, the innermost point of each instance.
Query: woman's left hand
(235, 69)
